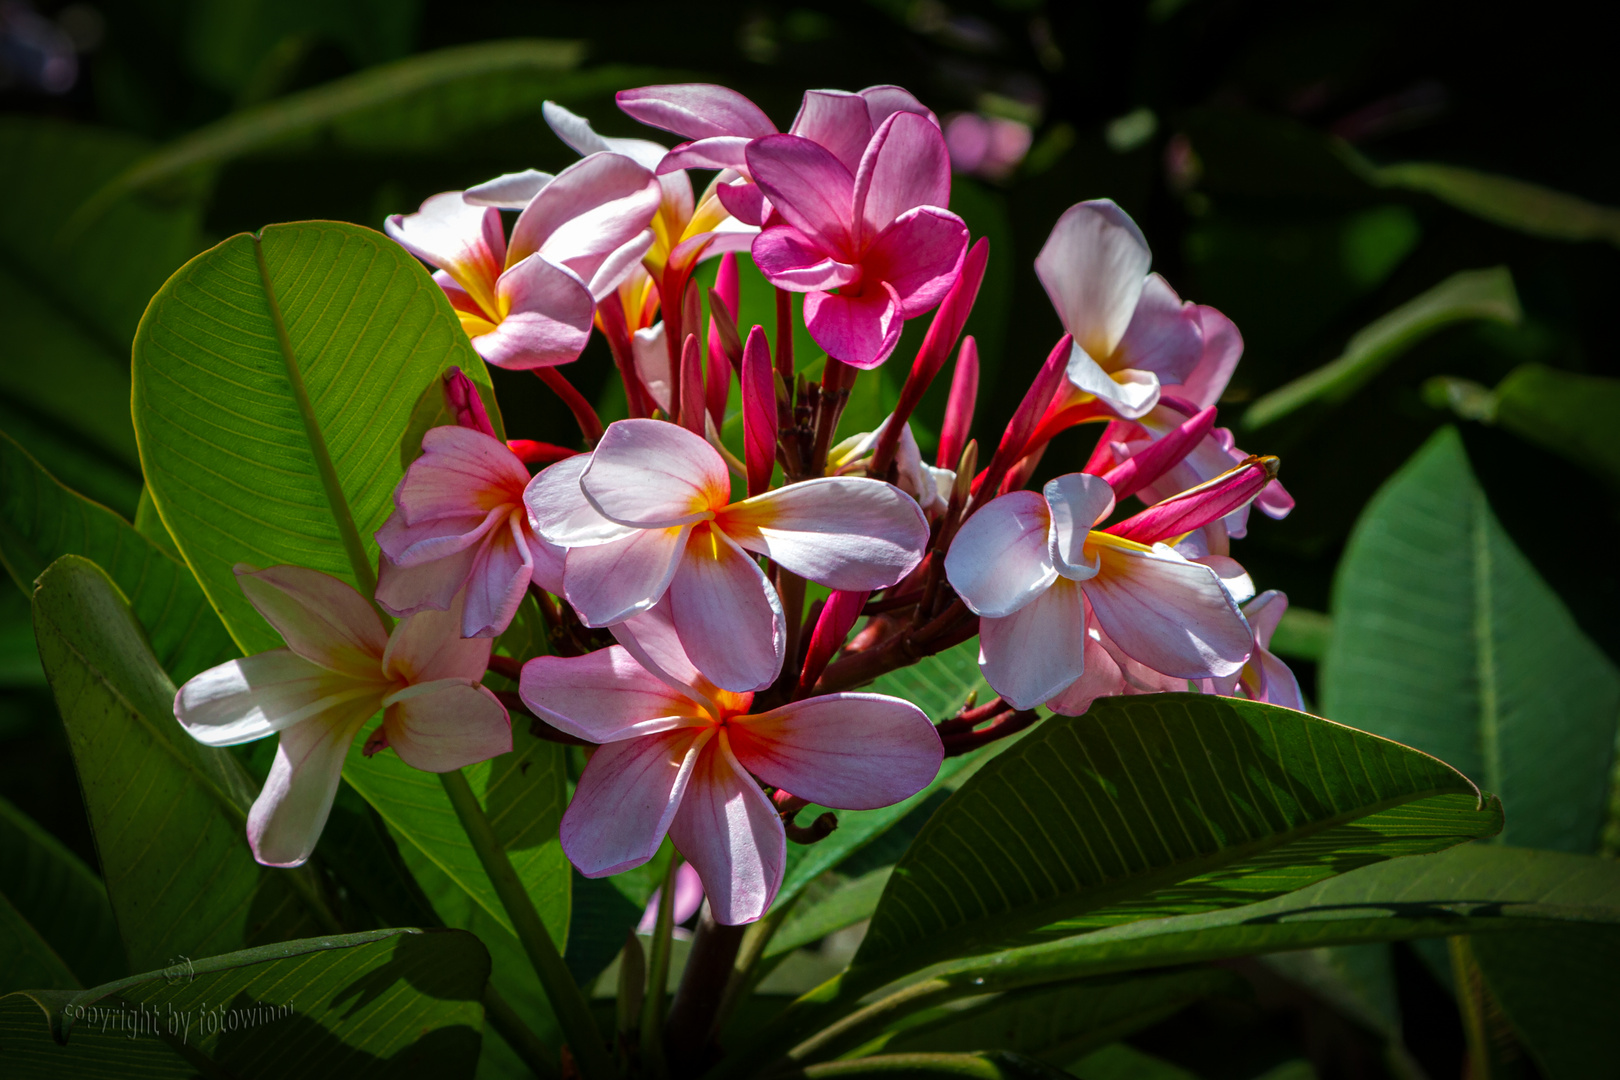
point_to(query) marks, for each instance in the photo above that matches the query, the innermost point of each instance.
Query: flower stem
(689, 1028)
(652, 1006)
(573, 1014)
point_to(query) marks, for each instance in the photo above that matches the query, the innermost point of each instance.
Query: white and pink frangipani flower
(1031, 566)
(685, 757)
(649, 512)
(870, 247)
(339, 668)
(529, 302)
(1265, 677)
(1131, 331)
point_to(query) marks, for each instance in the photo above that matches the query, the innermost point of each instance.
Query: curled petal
(1093, 266)
(1078, 501)
(509, 191)
(577, 132)
(466, 241)
(999, 560)
(559, 511)
(654, 474)
(789, 260)
(1037, 651)
(1102, 678)
(498, 580)
(884, 100)
(286, 819)
(591, 209)
(920, 254)
(696, 110)
(838, 120)
(626, 798)
(604, 696)
(859, 330)
(808, 186)
(727, 615)
(719, 152)
(321, 618)
(1165, 335)
(1127, 392)
(608, 583)
(260, 695)
(429, 582)
(449, 726)
(620, 264)
(743, 200)
(730, 832)
(844, 532)
(906, 164)
(548, 317)
(1168, 613)
(1223, 346)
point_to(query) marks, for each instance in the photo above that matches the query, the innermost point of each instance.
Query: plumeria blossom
(684, 757)
(649, 512)
(930, 486)
(1034, 569)
(1265, 677)
(339, 668)
(529, 302)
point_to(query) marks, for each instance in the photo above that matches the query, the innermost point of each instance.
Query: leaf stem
(652, 1006)
(573, 1014)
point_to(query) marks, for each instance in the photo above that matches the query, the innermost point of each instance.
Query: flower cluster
(671, 552)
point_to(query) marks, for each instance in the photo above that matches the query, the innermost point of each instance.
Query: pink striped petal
(654, 474)
(548, 317)
(428, 646)
(838, 120)
(592, 208)
(259, 695)
(696, 110)
(999, 560)
(1170, 614)
(790, 260)
(608, 583)
(846, 751)
(604, 696)
(466, 241)
(1093, 266)
(320, 618)
(451, 726)
(719, 152)
(429, 582)
(808, 186)
(1223, 347)
(727, 615)
(906, 164)
(498, 581)
(920, 254)
(1037, 651)
(859, 330)
(286, 819)
(1078, 501)
(844, 532)
(730, 832)
(461, 472)
(559, 511)
(626, 799)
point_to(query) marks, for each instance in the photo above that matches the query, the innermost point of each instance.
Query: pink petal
(718, 152)
(1037, 651)
(429, 582)
(727, 615)
(1264, 612)
(548, 318)
(859, 330)
(652, 639)
(696, 110)
(844, 532)
(688, 898)
(846, 751)
(559, 511)
(626, 799)
(808, 186)
(729, 830)
(320, 618)
(1165, 336)
(958, 422)
(548, 561)
(744, 201)
(1223, 347)
(461, 472)
(652, 364)
(838, 616)
(1078, 501)
(1168, 613)
(790, 260)
(466, 241)
(450, 727)
(428, 646)
(920, 254)
(509, 191)
(619, 264)
(1093, 266)
(838, 120)
(1129, 393)
(884, 100)
(608, 583)
(498, 581)
(693, 406)
(1280, 687)
(260, 695)
(759, 411)
(654, 474)
(1197, 507)
(412, 546)
(1102, 678)
(999, 560)
(287, 818)
(1147, 465)
(591, 209)
(905, 165)
(604, 696)
(577, 132)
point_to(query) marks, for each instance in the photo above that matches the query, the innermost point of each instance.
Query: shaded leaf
(1121, 1061)
(1574, 416)
(59, 898)
(846, 905)
(1557, 988)
(230, 44)
(990, 1065)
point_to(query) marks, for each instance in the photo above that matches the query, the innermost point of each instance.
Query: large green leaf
(60, 899)
(1572, 415)
(237, 45)
(1159, 805)
(169, 814)
(1445, 638)
(275, 380)
(385, 1003)
(1471, 294)
(42, 520)
(1557, 988)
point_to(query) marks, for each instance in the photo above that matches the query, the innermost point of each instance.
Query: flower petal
(728, 617)
(1170, 614)
(287, 818)
(789, 260)
(808, 186)
(627, 797)
(260, 695)
(577, 132)
(884, 100)
(652, 364)
(652, 639)
(1223, 347)
(320, 618)
(1129, 393)
(719, 152)
(1093, 266)
(608, 583)
(509, 191)
(559, 511)
(696, 110)
(498, 581)
(591, 209)
(920, 253)
(428, 646)
(466, 241)
(844, 532)
(548, 317)
(999, 560)
(604, 696)
(730, 832)
(456, 725)
(654, 474)
(838, 120)
(1078, 501)
(428, 582)
(859, 330)
(620, 264)
(1165, 335)
(906, 164)
(846, 751)
(1037, 651)
(1102, 678)
(461, 472)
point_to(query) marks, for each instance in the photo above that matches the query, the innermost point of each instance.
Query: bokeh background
(1308, 169)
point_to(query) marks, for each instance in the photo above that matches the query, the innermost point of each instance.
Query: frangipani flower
(1265, 677)
(529, 303)
(930, 486)
(870, 247)
(459, 527)
(681, 756)
(339, 668)
(1031, 566)
(650, 512)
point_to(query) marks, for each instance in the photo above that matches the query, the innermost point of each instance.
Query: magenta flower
(1032, 566)
(529, 303)
(649, 512)
(685, 757)
(339, 668)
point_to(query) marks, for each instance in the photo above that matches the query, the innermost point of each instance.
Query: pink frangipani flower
(1032, 566)
(685, 757)
(529, 302)
(649, 512)
(339, 668)
(1265, 677)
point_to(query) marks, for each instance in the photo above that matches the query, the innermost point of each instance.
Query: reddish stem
(590, 425)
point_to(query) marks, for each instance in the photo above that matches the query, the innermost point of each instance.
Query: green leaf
(60, 899)
(1574, 416)
(1471, 294)
(1557, 988)
(989, 1065)
(1124, 1062)
(169, 814)
(1446, 639)
(1302, 634)
(235, 45)
(267, 450)
(41, 520)
(380, 1003)
(846, 905)
(1159, 805)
